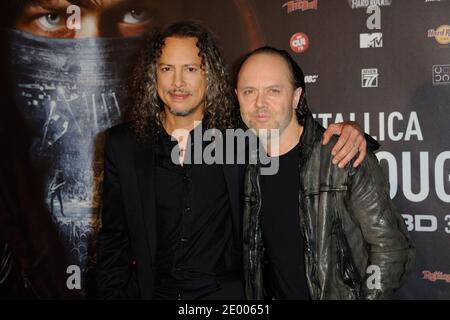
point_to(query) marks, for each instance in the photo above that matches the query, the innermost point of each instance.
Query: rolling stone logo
(300, 5)
(434, 276)
(356, 4)
(299, 42)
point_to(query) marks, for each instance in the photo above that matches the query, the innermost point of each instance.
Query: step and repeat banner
(382, 63)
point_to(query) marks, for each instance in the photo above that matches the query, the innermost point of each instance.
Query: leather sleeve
(113, 262)
(383, 228)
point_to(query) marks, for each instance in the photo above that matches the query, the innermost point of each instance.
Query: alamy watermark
(233, 146)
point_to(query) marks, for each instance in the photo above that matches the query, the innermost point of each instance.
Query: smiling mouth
(262, 116)
(179, 95)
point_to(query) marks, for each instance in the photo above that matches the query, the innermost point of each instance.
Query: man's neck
(179, 128)
(172, 122)
(289, 138)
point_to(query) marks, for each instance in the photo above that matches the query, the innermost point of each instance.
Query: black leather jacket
(348, 223)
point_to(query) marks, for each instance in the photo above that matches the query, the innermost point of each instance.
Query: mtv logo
(371, 40)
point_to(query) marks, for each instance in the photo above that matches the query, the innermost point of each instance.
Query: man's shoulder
(322, 156)
(325, 150)
(120, 130)
(122, 137)
(121, 133)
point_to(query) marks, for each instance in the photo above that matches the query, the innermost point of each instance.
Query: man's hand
(351, 141)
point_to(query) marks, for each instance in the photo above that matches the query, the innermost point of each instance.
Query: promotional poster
(382, 63)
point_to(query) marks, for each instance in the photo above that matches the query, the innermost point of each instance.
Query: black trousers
(221, 288)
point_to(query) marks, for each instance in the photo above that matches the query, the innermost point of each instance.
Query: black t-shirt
(281, 229)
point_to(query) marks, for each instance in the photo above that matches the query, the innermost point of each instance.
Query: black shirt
(194, 221)
(281, 229)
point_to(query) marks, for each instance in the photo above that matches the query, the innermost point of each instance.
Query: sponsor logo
(356, 4)
(434, 276)
(369, 78)
(299, 42)
(441, 74)
(300, 5)
(374, 39)
(432, 1)
(441, 34)
(311, 78)
(371, 40)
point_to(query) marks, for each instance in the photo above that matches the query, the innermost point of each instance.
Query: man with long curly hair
(173, 230)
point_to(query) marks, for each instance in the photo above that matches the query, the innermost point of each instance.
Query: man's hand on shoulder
(351, 141)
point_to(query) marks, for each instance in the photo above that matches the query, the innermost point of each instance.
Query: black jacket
(348, 223)
(127, 239)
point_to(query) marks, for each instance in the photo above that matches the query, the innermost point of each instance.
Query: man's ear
(297, 95)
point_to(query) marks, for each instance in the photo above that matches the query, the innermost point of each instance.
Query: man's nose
(178, 79)
(260, 100)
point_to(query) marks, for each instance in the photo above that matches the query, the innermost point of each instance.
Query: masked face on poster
(70, 61)
(70, 85)
(93, 18)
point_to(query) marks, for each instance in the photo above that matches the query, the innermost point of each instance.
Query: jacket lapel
(234, 183)
(144, 162)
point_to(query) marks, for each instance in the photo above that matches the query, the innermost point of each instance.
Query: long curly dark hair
(145, 105)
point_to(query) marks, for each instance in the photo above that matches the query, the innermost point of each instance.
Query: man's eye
(191, 69)
(165, 69)
(50, 20)
(135, 16)
(274, 91)
(247, 92)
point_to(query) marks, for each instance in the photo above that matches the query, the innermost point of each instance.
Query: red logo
(303, 5)
(299, 42)
(434, 276)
